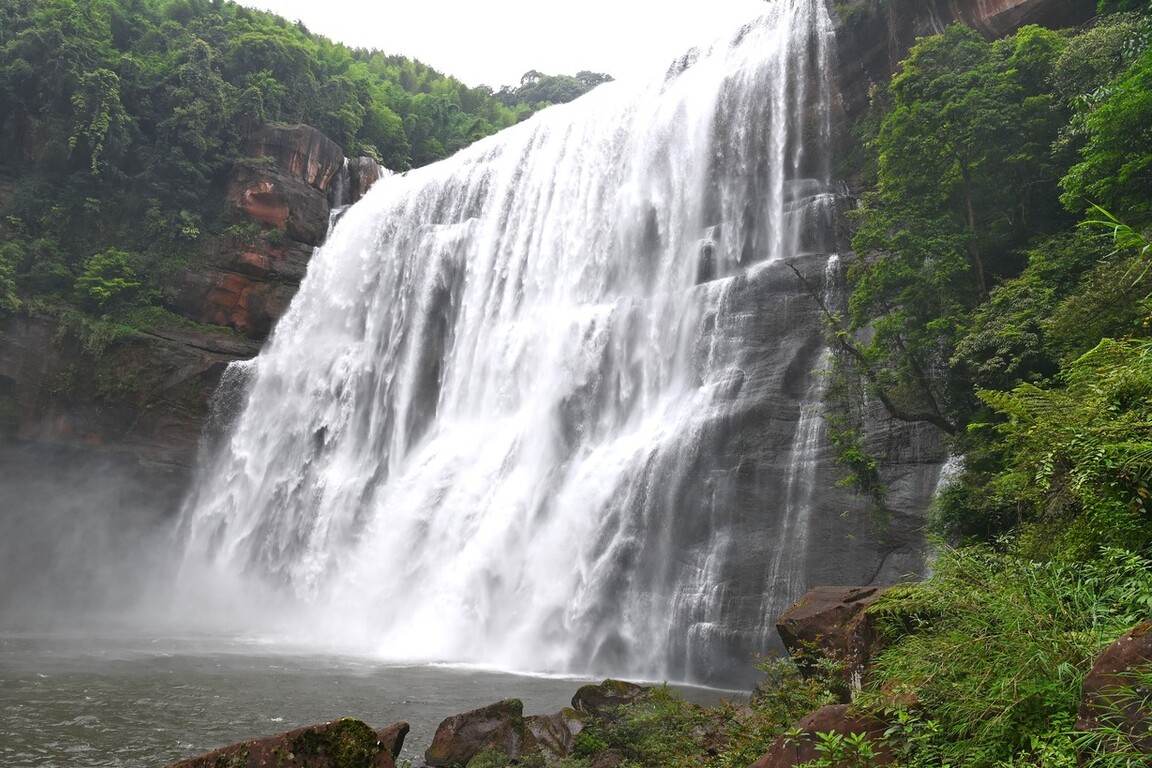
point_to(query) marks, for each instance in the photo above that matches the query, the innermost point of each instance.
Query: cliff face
(145, 398)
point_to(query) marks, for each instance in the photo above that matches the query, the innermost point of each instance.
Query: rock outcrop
(144, 396)
(832, 623)
(498, 727)
(1116, 698)
(596, 700)
(799, 746)
(363, 172)
(344, 743)
(503, 728)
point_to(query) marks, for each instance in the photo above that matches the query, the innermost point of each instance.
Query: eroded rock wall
(146, 397)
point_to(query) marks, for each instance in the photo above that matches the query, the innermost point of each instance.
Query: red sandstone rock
(831, 622)
(797, 749)
(1116, 698)
(302, 151)
(271, 195)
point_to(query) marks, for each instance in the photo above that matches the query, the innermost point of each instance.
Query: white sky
(494, 42)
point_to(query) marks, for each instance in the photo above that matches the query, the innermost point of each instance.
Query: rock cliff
(145, 397)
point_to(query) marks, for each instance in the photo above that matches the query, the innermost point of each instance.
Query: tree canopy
(122, 118)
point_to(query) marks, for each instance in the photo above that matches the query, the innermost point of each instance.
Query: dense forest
(121, 119)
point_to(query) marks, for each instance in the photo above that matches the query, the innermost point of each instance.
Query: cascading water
(531, 404)
(786, 574)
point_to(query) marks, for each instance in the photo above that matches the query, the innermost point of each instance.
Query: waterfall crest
(506, 418)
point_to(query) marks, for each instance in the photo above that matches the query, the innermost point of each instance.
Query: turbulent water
(497, 423)
(107, 701)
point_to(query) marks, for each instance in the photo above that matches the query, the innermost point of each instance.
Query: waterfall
(785, 583)
(512, 416)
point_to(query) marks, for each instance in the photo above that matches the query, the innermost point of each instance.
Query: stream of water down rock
(553, 404)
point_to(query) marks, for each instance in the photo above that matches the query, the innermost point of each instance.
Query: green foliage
(108, 281)
(10, 256)
(994, 667)
(493, 757)
(963, 177)
(1082, 454)
(538, 90)
(839, 749)
(1116, 166)
(349, 744)
(654, 730)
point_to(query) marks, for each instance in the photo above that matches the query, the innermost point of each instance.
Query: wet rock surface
(392, 737)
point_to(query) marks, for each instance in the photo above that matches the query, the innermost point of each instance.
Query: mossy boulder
(344, 743)
(597, 700)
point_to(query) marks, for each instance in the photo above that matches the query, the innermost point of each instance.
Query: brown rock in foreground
(555, 735)
(498, 726)
(344, 743)
(596, 700)
(392, 737)
(1116, 698)
(800, 748)
(831, 622)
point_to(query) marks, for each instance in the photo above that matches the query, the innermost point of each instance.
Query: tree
(963, 178)
(108, 281)
(101, 121)
(1115, 171)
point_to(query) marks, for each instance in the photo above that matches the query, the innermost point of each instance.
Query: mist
(83, 535)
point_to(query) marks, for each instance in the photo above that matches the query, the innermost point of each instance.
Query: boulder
(392, 737)
(1116, 698)
(498, 726)
(344, 743)
(555, 734)
(799, 747)
(833, 623)
(597, 700)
